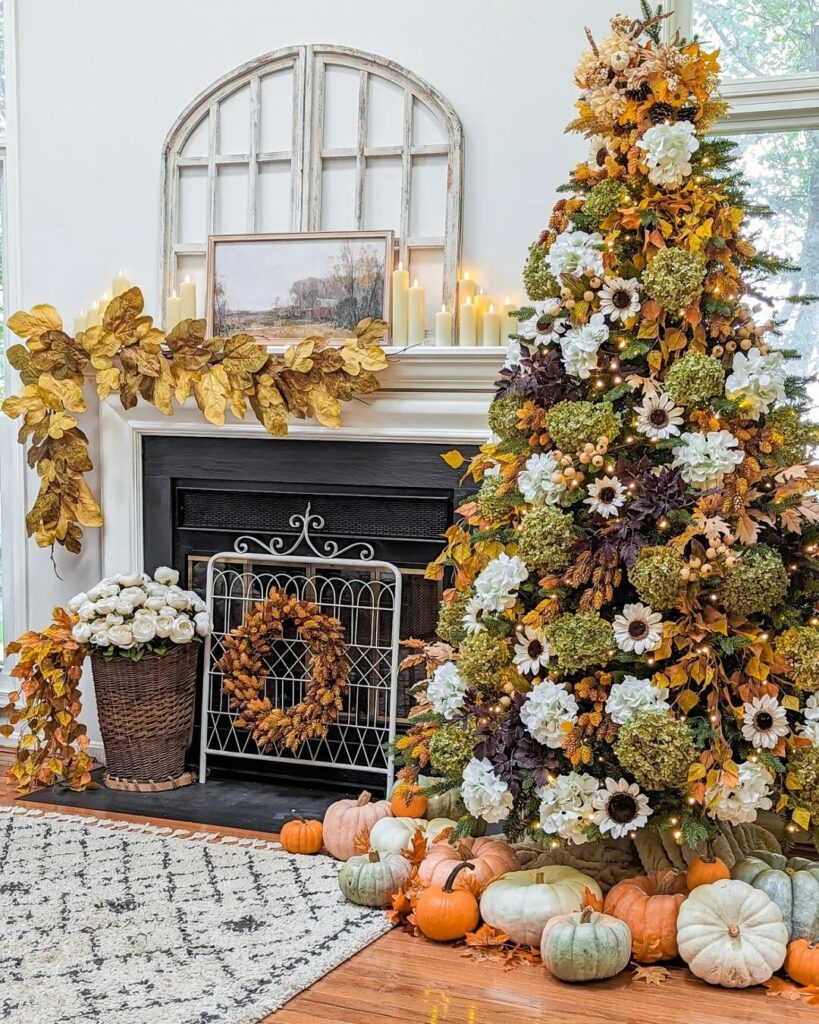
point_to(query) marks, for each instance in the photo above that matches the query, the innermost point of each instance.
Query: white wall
(101, 82)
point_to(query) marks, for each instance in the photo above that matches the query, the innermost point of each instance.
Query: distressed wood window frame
(308, 155)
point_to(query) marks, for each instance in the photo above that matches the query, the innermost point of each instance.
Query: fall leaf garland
(129, 356)
(245, 672)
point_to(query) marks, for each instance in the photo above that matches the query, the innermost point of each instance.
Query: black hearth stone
(226, 803)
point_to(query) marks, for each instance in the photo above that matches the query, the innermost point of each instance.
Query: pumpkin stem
(733, 930)
(710, 856)
(364, 798)
(585, 915)
(539, 878)
(463, 851)
(374, 856)
(813, 943)
(447, 886)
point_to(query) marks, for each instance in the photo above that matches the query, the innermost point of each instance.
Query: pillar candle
(93, 317)
(80, 322)
(509, 323)
(443, 328)
(120, 284)
(482, 304)
(490, 327)
(467, 324)
(173, 311)
(416, 314)
(187, 297)
(106, 298)
(466, 288)
(400, 305)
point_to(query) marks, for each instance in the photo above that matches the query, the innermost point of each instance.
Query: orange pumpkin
(443, 913)
(707, 869)
(408, 802)
(802, 961)
(488, 860)
(346, 818)
(649, 905)
(302, 836)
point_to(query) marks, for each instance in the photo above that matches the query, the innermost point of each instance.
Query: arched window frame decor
(309, 156)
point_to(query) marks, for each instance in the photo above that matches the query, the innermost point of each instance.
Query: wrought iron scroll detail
(306, 523)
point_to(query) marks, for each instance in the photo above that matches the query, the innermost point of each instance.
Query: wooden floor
(401, 980)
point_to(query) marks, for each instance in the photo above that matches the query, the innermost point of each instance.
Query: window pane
(760, 37)
(2, 68)
(782, 169)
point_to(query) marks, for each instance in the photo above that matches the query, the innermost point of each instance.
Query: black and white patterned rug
(119, 923)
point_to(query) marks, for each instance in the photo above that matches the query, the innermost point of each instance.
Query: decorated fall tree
(631, 639)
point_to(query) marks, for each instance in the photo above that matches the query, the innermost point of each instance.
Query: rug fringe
(144, 828)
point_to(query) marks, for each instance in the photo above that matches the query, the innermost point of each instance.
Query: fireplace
(207, 495)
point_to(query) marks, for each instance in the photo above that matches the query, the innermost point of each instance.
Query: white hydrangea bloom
(740, 804)
(547, 709)
(579, 347)
(757, 382)
(496, 587)
(668, 149)
(572, 251)
(446, 690)
(809, 730)
(483, 793)
(514, 354)
(705, 459)
(811, 708)
(566, 806)
(536, 480)
(632, 695)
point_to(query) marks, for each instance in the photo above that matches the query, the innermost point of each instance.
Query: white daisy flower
(473, 615)
(543, 326)
(484, 794)
(548, 709)
(606, 497)
(572, 251)
(765, 722)
(531, 651)
(620, 808)
(741, 803)
(446, 690)
(598, 151)
(566, 807)
(705, 459)
(619, 298)
(638, 628)
(658, 417)
(632, 695)
(536, 480)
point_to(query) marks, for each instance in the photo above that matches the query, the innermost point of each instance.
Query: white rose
(129, 579)
(95, 593)
(98, 626)
(202, 622)
(109, 589)
(81, 632)
(123, 606)
(145, 613)
(87, 610)
(77, 601)
(182, 630)
(121, 636)
(176, 598)
(156, 602)
(105, 606)
(163, 625)
(143, 629)
(166, 575)
(195, 601)
(153, 589)
(101, 639)
(114, 620)
(136, 595)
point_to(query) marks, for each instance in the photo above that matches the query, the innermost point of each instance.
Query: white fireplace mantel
(431, 395)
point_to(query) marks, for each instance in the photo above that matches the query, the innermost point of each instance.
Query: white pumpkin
(731, 934)
(394, 835)
(521, 902)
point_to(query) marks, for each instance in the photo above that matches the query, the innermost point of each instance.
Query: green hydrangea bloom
(483, 660)
(656, 577)
(791, 435)
(503, 419)
(580, 641)
(800, 646)
(450, 751)
(694, 379)
(674, 278)
(537, 280)
(573, 424)
(603, 200)
(803, 763)
(757, 583)
(545, 537)
(494, 506)
(451, 618)
(657, 749)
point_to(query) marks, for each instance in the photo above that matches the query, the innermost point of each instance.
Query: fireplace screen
(366, 598)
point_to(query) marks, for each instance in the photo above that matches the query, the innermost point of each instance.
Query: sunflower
(765, 722)
(620, 808)
(606, 496)
(658, 417)
(638, 628)
(620, 298)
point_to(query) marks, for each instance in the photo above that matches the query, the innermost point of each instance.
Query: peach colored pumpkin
(346, 818)
(649, 905)
(489, 859)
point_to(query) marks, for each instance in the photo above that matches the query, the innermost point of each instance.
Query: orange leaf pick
(590, 900)
(362, 840)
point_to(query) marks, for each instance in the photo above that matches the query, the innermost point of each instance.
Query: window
(769, 53)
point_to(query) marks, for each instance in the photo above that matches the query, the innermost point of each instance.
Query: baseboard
(96, 750)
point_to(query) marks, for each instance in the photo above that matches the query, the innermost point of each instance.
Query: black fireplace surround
(200, 495)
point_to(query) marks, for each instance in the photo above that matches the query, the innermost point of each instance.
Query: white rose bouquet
(132, 614)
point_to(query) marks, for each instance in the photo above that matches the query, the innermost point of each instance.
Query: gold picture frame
(281, 288)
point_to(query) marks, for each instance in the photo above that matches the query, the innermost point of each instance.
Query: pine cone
(640, 94)
(687, 113)
(661, 112)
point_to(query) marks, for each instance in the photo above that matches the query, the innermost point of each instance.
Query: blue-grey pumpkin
(792, 884)
(370, 880)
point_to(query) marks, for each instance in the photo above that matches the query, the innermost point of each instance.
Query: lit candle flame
(507, 301)
(466, 275)
(491, 307)
(415, 283)
(469, 300)
(443, 307)
(400, 264)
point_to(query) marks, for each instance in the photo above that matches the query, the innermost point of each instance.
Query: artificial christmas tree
(630, 640)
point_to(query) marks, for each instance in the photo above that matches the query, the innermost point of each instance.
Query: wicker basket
(146, 711)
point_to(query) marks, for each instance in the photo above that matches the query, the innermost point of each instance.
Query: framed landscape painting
(285, 287)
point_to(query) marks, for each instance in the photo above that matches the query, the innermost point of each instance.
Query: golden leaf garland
(245, 672)
(129, 356)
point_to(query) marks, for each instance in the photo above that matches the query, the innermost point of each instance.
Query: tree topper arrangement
(131, 357)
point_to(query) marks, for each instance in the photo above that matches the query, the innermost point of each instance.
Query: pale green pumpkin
(792, 884)
(585, 945)
(371, 880)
